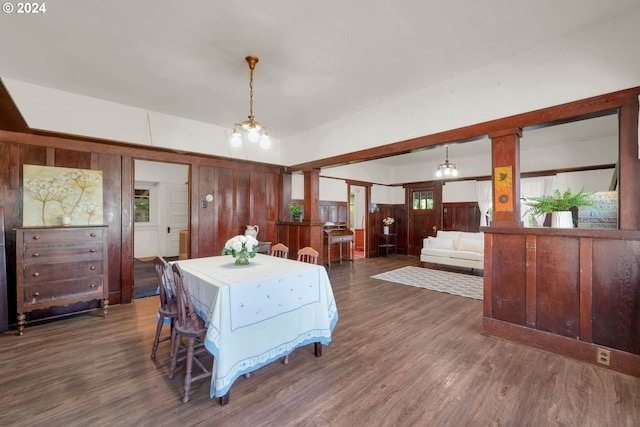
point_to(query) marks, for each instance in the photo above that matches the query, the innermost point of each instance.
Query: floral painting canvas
(61, 196)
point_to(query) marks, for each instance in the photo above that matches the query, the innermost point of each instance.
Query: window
(422, 200)
(141, 204)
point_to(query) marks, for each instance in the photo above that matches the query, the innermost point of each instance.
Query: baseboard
(619, 361)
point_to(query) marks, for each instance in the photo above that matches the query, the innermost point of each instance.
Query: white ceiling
(319, 61)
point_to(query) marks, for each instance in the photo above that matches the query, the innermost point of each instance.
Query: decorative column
(311, 195)
(312, 211)
(629, 166)
(505, 161)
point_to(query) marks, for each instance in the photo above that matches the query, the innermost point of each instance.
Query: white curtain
(534, 187)
(483, 194)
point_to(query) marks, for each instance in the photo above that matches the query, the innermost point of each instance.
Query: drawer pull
(92, 234)
(36, 237)
(92, 250)
(93, 267)
(35, 254)
(36, 274)
(34, 298)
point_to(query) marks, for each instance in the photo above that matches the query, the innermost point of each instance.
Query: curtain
(534, 187)
(483, 194)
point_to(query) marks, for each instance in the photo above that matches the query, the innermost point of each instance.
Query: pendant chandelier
(255, 130)
(446, 168)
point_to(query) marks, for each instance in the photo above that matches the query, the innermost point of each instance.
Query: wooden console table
(338, 234)
(387, 242)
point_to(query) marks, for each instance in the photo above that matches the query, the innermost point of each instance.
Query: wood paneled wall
(244, 193)
(461, 216)
(567, 290)
(331, 211)
(400, 227)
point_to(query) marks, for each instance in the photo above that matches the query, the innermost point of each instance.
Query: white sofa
(456, 248)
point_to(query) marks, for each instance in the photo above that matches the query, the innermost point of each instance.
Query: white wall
(333, 190)
(597, 180)
(598, 60)
(384, 194)
(459, 191)
(55, 110)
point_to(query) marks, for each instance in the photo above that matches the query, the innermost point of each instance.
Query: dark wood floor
(400, 356)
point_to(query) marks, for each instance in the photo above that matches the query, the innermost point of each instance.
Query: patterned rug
(464, 285)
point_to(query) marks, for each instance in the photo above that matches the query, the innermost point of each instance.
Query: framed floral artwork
(503, 184)
(54, 196)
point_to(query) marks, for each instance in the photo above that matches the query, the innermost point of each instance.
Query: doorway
(358, 202)
(161, 212)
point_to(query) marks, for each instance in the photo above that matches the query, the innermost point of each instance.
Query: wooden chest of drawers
(60, 266)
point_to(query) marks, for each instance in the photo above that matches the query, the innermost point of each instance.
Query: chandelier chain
(251, 95)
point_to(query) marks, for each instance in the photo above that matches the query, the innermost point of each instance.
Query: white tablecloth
(258, 313)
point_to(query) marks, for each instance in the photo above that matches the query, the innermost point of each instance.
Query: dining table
(258, 313)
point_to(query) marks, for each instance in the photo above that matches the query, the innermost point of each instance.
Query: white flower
(388, 221)
(250, 243)
(239, 244)
(236, 245)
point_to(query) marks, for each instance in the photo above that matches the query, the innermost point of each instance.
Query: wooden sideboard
(59, 266)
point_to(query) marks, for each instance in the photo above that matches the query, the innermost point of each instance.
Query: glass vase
(242, 258)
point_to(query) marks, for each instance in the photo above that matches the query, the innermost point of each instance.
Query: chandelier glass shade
(255, 131)
(447, 168)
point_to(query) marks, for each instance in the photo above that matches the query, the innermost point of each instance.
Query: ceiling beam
(10, 117)
(572, 111)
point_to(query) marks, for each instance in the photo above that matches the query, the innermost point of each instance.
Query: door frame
(413, 248)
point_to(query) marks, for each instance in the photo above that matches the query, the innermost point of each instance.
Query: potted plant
(296, 211)
(559, 205)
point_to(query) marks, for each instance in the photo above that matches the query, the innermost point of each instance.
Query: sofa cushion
(471, 235)
(468, 255)
(448, 234)
(471, 245)
(441, 243)
(445, 253)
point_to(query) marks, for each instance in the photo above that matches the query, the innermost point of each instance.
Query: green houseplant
(559, 205)
(296, 211)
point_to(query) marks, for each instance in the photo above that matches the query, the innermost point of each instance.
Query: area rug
(464, 285)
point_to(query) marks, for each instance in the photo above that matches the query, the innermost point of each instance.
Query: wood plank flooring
(400, 356)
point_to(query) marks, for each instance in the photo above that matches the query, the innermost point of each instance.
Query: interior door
(424, 219)
(177, 216)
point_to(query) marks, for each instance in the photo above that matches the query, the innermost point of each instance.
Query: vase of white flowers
(241, 248)
(387, 222)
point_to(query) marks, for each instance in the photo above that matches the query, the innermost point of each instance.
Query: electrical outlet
(603, 356)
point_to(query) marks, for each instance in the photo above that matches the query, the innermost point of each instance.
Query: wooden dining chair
(190, 325)
(167, 310)
(308, 254)
(280, 250)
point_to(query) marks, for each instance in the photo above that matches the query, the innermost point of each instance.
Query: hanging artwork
(61, 196)
(503, 184)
